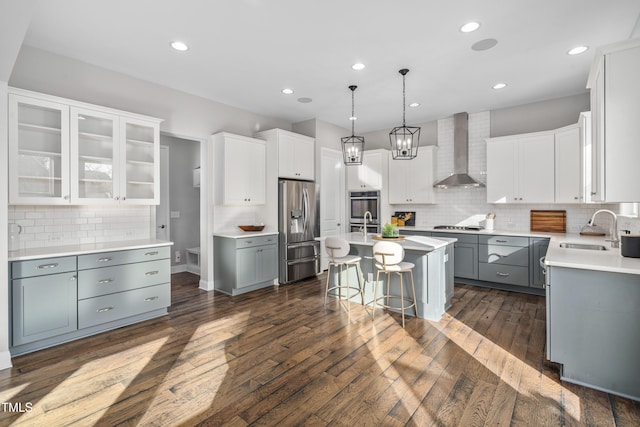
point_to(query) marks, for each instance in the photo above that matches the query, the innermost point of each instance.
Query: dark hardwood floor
(278, 356)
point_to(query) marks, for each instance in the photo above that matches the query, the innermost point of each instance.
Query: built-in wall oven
(361, 202)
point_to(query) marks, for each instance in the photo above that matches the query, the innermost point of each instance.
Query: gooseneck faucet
(364, 228)
(615, 240)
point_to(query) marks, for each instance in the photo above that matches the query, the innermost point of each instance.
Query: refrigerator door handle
(313, 243)
(303, 260)
(305, 210)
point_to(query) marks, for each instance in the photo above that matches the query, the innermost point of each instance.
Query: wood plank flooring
(278, 356)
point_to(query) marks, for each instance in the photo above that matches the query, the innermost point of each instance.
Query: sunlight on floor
(7, 395)
(470, 341)
(178, 401)
(100, 382)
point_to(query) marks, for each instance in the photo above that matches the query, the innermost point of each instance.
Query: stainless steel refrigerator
(298, 226)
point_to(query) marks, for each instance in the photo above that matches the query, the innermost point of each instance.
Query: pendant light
(352, 146)
(404, 139)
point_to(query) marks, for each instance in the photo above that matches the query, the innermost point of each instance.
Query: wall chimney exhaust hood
(460, 176)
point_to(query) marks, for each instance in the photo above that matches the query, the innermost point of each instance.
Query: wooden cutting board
(549, 221)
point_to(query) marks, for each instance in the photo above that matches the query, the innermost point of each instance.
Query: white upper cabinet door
(139, 158)
(501, 171)
(38, 151)
(521, 169)
(411, 181)
(368, 175)
(296, 156)
(569, 161)
(240, 170)
(94, 157)
(536, 169)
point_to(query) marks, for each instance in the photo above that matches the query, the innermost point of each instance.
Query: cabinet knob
(66, 197)
(576, 198)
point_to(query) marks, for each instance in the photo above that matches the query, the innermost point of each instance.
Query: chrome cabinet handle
(105, 281)
(151, 298)
(104, 259)
(151, 273)
(43, 266)
(502, 241)
(152, 253)
(103, 310)
(498, 273)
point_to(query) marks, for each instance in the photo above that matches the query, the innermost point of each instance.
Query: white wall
(5, 358)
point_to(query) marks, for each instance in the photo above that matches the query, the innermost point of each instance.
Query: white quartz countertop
(239, 234)
(88, 248)
(609, 260)
(415, 243)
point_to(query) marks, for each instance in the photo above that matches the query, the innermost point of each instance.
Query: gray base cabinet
(244, 264)
(43, 305)
(466, 254)
(60, 299)
(504, 259)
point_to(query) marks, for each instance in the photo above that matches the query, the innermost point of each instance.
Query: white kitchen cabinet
(411, 181)
(521, 169)
(240, 169)
(615, 107)
(568, 165)
(66, 152)
(38, 151)
(368, 175)
(296, 153)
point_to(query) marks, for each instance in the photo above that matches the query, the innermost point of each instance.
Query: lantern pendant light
(352, 146)
(404, 139)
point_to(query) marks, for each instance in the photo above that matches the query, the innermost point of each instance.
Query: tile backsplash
(469, 205)
(44, 226)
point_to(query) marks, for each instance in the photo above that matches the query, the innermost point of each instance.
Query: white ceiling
(243, 52)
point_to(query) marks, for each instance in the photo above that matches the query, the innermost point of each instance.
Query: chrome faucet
(615, 240)
(364, 228)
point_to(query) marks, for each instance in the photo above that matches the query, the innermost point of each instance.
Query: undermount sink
(591, 247)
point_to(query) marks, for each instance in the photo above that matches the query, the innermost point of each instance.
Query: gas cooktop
(459, 227)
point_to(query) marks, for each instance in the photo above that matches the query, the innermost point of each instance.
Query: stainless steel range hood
(460, 176)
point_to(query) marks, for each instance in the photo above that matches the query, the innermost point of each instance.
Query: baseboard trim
(180, 268)
(206, 285)
(5, 360)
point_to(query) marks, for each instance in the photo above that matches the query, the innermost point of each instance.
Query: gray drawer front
(414, 233)
(41, 267)
(94, 311)
(499, 254)
(249, 242)
(105, 259)
(509, 274)
(109, 280)
(505, 240)
(462, 237)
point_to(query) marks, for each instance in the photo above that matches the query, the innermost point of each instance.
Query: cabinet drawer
(109, 280)
(105, 259)
(249, 242)
(505, 240)
(509, 274)
(41, 267)
(106, 308)
(462, 237)
(506, 255)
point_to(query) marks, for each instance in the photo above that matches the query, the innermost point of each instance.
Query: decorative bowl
(251, 227)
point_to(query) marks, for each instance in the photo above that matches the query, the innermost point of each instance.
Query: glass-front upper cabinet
(94, 157)
(39, 151)
(140, 162)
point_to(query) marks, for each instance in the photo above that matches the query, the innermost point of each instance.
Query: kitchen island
(433, 272)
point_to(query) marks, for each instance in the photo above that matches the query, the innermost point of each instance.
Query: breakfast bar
(433, 271)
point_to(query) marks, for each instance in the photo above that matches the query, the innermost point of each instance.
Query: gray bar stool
(389, 258)
(338, 251)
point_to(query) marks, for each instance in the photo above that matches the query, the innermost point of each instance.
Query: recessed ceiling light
(179, 46)
(358, 66)
(484, 44)
(499, 85)
(414, 104)
(470, 27)
(287, 91)
(353, 118)
(578, 50)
